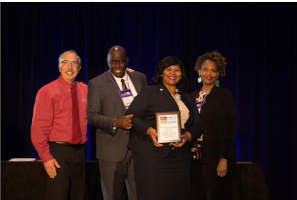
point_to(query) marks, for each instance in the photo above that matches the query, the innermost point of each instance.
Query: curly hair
(214, 56)
(167, 62)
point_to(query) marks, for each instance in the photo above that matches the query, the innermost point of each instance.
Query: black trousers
(217, 188)
(70, 182)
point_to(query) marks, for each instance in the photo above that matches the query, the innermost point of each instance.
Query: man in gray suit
(109, 95)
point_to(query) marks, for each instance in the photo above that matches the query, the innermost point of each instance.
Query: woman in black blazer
(218, 117)
(163, 171)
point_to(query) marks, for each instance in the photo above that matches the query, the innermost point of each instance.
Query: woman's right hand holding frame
(153, 134)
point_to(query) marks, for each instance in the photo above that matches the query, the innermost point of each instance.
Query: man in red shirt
(59, 130)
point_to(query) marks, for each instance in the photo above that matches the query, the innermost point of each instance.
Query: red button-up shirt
(52, 115)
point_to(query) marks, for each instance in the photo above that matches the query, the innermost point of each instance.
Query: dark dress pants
(115, 176)
(70, 182)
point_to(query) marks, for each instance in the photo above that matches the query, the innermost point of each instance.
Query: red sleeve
(42, 124)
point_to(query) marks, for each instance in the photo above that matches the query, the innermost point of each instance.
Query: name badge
(127, 97)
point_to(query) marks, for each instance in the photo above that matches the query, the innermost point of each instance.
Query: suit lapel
(166, 93)
(113, 88)
(135, 81)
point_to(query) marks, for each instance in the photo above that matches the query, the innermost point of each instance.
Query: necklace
(176, 95)
(201, 96)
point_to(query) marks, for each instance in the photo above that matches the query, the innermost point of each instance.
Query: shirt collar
(65, 83)
(118, 79)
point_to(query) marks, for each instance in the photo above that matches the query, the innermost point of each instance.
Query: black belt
(77, 146)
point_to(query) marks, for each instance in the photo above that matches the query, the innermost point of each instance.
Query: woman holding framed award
(218, 116)
(165, 125)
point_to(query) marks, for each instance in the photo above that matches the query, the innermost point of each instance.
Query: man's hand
(222, 167)
(153, 134)
(50, 168)
(124, 122)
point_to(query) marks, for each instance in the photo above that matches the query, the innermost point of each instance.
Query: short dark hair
(167, 62)
(214, 56)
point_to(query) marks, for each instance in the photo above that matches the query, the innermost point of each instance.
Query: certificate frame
(168, 127)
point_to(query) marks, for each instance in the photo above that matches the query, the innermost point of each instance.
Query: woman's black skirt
(162, 178)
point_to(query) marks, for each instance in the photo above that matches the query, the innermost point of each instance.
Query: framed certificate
(168, 127)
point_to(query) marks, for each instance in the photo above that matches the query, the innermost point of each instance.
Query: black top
(218, 117)
(157, 98)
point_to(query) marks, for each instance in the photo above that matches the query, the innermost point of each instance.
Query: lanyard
(117, 84)
(126, 95)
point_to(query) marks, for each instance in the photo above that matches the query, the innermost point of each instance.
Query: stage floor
(27, 180)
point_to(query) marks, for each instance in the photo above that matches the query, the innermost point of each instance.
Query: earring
(199, 79)
(161, 75)
(217, 83)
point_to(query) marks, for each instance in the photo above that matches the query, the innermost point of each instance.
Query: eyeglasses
(65, 63)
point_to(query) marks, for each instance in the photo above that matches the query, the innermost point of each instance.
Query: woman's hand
(153, 134)
(222, 167)
(185, 138)
(130, 70)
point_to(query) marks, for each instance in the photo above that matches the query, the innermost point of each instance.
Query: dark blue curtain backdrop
(259, 41)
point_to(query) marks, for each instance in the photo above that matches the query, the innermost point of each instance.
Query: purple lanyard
(122, 93)
(117, 84)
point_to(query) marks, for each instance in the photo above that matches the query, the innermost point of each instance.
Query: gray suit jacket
(104, 105)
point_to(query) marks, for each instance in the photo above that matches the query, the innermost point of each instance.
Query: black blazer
(157, 98)
(218, 117)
